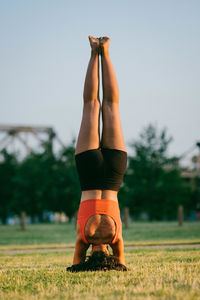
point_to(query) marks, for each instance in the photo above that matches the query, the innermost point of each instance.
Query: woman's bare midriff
(99, 194)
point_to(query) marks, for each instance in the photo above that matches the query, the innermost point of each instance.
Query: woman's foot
(94, 43)
(104, 44)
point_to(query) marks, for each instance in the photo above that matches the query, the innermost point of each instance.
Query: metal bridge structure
(9, 134)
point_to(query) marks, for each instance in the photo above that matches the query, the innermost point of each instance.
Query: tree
(44, 181)
(30, 183)
(153, 182)
(8, 167)
(67, 183)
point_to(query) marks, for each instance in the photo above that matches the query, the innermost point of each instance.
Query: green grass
(37, 234)
(137, 233)
(153, 274)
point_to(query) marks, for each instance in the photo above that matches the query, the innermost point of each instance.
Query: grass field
(138, 232)
(152, 273)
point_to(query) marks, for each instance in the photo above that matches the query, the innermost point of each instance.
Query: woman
(101, 164)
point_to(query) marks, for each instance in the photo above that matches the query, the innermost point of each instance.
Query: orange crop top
(92, 207)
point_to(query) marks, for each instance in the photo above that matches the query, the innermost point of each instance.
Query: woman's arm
(118, 250)
(80, 248)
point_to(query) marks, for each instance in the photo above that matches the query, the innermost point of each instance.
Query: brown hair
(98, 261)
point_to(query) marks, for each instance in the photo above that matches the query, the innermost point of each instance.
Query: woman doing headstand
(101, 164)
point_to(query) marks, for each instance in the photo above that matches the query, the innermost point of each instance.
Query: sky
(155, 50)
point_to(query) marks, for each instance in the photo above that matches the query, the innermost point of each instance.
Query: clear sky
(155, 49)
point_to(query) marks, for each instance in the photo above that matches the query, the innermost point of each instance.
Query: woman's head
(100, 247)
(98, 261)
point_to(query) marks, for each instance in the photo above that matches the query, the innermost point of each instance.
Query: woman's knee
(92, 106)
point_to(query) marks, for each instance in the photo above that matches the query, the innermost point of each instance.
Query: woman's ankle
(94, 52)
(104, 52)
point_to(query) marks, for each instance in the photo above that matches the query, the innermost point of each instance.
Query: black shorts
(101, 169)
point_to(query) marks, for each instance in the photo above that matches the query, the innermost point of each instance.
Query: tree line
(44, 180)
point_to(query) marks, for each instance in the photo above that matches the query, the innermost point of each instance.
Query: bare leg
(112, 135)
(89, 132)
